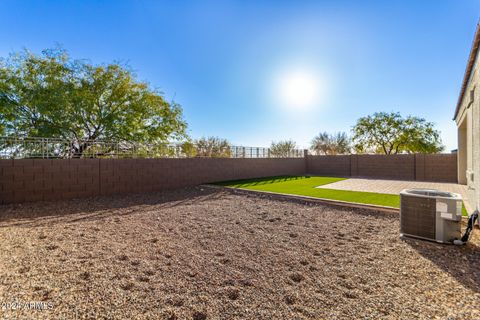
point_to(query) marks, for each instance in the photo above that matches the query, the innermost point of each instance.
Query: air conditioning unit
(430, 214)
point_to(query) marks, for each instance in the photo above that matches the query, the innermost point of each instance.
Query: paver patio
(395, 186)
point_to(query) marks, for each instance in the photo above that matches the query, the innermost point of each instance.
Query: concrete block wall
(413, 167)
(55, 179)
(118, 176)
(437, 167)
(396, 167)
(28, 180)
(338, 166)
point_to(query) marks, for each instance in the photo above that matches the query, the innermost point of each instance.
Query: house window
(472, 95)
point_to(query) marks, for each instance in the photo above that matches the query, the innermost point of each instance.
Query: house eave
(468, 70)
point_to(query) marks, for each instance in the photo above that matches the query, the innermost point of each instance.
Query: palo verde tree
(283, 149)
(390, 133)
(51, 95)
(331, 144)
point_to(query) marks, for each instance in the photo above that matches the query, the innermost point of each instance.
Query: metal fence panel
(51, 148)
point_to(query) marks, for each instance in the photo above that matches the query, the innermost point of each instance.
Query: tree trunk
(78, 152)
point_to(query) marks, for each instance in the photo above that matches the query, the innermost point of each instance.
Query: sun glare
(299, 90)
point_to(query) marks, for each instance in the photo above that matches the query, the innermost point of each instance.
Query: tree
(283, 149)
(213, 147)
(51, 95)
(390, 133)
(331, 144)
(189, 149)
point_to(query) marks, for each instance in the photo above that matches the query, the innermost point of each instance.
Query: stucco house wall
(467, 116)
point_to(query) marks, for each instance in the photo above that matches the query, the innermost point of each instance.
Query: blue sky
(222, 61)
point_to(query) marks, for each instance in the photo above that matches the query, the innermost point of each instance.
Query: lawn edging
(288, 196)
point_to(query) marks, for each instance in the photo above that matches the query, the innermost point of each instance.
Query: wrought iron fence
(51, 148)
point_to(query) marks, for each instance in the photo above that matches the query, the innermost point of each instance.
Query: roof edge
(468, 71)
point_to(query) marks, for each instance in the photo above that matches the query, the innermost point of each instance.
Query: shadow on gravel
(461, 262)
(37, 214)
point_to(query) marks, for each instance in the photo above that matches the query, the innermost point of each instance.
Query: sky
(254, 72)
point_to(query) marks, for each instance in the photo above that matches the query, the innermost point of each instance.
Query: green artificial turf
(305, 186)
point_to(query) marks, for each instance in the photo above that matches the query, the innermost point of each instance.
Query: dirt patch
(208, 254)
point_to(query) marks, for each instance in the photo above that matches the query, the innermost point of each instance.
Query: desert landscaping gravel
(203, 253)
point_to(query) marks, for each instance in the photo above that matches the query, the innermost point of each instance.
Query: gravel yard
(204, 253)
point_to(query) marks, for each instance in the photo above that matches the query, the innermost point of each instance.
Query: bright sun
(298, 90)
